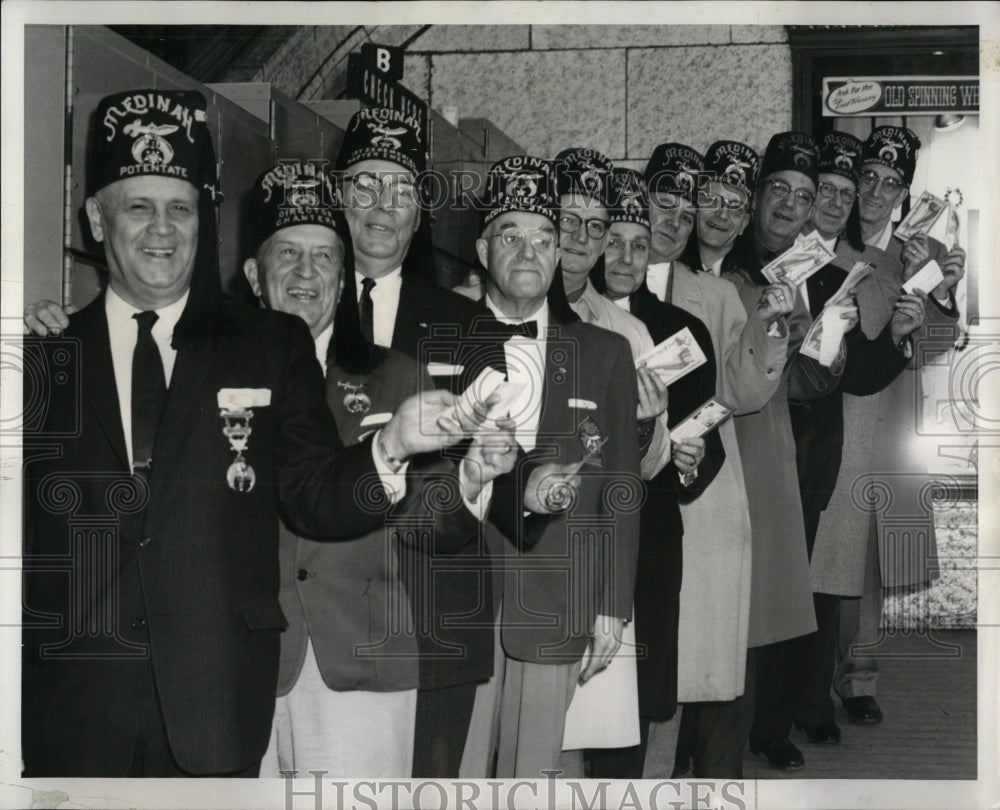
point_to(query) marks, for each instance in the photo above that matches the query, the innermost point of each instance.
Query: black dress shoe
(822, 733)
(781, 755)
(863, 709)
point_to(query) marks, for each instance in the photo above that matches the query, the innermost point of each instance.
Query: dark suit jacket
(558, 573)
(180, 574)
(429, 321)
(349, 598)
(658, 582)
(454, 595)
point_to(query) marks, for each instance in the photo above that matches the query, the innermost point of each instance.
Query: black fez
(292, 193)
(895, 147)
(629, 197)
(152, 132)
(674, 168)
(841, 154)
(585, 171)
(734, 164)
(791, 151)
(522, 183)
(164, 133)
(378, 133)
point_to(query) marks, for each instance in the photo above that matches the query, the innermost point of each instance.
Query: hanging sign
(900, 95)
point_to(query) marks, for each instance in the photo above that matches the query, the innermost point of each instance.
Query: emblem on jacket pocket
(355, 400)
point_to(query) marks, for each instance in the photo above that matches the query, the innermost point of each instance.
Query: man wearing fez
(695, 463)
(401, 306)
(780, 597)
(380, 163)
(567, 574)
(880, 430)
(347, 681)
(197, 421)
(723, 204)
(583, 179)
(801, 671)
(584, 182)
(750, 354)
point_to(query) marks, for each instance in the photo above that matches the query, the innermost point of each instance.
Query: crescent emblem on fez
(150, 147)
(523, 184)
(303, 194)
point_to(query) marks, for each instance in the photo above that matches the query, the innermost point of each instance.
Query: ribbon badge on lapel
(589, 434)
(355, 400)
(236, 409)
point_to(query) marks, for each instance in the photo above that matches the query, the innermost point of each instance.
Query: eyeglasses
(370, 185)
(514, 238)
(707, 199)
(781, 189)
(828, 190)
(617, 245)
(890, 184)
(570, 223)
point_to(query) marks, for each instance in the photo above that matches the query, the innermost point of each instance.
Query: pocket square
(584, 404)
(234, 399)
(376, 419)
(444, 369)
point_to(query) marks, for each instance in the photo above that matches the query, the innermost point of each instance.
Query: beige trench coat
(715, 592)
(875, 471)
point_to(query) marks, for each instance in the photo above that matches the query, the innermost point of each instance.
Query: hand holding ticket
(925, 279)
(822, 341)
(799, 262)
(488, 382)
(674, 357)
(710, 415)
(922, 216)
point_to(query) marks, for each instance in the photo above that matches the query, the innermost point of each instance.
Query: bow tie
(527, 329)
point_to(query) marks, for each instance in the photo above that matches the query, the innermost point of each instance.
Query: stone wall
(621, 89)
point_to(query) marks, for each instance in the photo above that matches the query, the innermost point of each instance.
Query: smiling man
(197, 420)
(398, 296)
(584, 177)
(693, 468)
(880, 430)
(723, 203)
(347, 681)
(401, 306)
(571, 588)
(711, 669)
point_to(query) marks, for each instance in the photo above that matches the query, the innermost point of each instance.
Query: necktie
(367, 309)
(149, 391)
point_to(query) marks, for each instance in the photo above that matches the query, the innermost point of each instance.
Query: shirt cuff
(393, 481)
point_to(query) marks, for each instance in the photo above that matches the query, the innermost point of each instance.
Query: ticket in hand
(922, 216)
(674, 357)
(926, 278)
(822, 341)
(708, 417)
(508, 392)
(799, 262)
(488, 381)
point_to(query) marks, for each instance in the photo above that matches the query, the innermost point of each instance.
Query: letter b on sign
(385, 59)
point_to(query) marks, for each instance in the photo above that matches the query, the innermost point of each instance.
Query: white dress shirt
(526, 364)
(123, 331)
(657, 279)
(882, 240)
(385, 303)
(716, 269)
